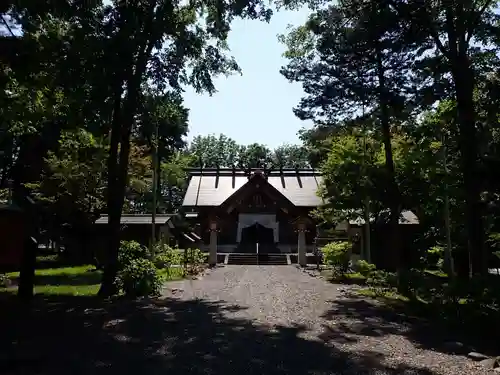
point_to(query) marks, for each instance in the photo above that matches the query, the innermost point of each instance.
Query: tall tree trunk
(28, 168)
(123, 121)
(393, 189)
(159, 194)
(113, 204)
(463, 77)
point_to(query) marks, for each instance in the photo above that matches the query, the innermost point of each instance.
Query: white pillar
(301, 246)
(238, 232)
(212, 257)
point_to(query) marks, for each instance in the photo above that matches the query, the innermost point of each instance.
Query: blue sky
(256, 106)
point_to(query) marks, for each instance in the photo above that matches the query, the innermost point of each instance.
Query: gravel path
(280, 320)
(237, 320)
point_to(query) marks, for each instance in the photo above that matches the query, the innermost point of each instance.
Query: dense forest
(404, 97)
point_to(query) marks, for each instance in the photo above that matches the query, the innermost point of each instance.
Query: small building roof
(211, 187)
(160, 219)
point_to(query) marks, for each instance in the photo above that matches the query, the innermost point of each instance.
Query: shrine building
(253, 210)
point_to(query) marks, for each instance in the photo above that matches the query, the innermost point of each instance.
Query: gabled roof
(211, 187)
(257, 181)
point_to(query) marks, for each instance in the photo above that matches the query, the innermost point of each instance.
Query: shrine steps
(261, 259)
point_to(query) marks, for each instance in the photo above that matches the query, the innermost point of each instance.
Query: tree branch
(435, 37)
(475, 22)
(7, 26)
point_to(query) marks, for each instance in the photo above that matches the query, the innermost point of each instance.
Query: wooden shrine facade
(254, 210)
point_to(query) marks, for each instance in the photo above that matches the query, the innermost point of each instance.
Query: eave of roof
(160, 219)
(211, 187)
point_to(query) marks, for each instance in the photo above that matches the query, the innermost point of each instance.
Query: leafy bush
(137, 274)
(434, 257)
(4, 281)
(166, 257)
(194, 260)
(140, 278)
(364, 268)
(494, 240)
(130, 251)
(336, 254)
(380, 278)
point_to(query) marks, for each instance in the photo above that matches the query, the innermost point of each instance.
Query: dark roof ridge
(244, 172)
(141, 215)
(246, 169)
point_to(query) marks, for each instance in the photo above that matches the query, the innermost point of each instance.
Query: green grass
(175, 273)
(81, 280)
(437, 273)
(66, 271)
(346, 278)
(387, 295)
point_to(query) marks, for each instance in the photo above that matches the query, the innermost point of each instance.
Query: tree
(462, 38)
(211, 151)
(175, 180)
(131, 49)
(290, 156)
(352, 58)
(71, 189)
(165, 115)
(37, 105)
(349, 161)
(255, 155)
(158, 40)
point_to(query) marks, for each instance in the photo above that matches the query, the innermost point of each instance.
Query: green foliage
(174, 180)
(336, 254)
(140, 278)
(74, 177)
(137, 276)
(354, 167)
(381, 278)
(364, 268)
(165, 257)
(194, 260)
(434, 258)
(290, 156)
(130, 251)
(4, 280)
(494, 241)
(224, 152)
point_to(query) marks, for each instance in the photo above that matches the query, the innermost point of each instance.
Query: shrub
(137, 274)
(166, 257)
(364, 268)
(194, 260)
(167, 260)
(139, 278)
(379, 278)
(4, 281)
(336, 254)
(130, 251)
(434, 257)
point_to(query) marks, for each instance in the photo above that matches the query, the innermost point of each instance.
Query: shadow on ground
(376, 319)
(80, 335)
